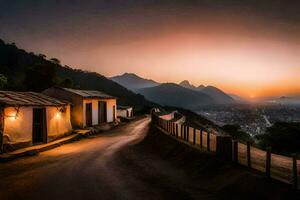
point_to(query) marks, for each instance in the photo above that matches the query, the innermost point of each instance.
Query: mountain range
(133, 82)
(183, 94)
(28, 71)
(218, 96)
(172, 94)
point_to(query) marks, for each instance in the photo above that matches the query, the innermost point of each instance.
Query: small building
(29, 118)
(88, 107)
(125, 111)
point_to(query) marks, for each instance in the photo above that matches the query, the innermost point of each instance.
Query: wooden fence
(282, 168)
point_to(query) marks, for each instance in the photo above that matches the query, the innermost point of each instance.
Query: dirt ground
(133, 161)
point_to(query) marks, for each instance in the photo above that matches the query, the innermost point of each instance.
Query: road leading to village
(133, 161)
(79, 170)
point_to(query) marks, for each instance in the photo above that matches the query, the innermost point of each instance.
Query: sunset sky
(243, 47)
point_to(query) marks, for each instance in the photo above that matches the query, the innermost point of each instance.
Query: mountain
(238, 98)
(218, 95)
(187, 84)
(133, 82)
(172, 94)
(27, 71)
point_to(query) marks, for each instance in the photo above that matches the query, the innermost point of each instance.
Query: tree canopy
(40, 77)
(3, 81)
(283, 137)
(234, 130)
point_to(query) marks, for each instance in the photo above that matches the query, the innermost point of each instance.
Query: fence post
(235, 151)
(208, 141)
(295, 171)
(201, 138)
(268, 162)
(167, 126)
(181, 129)
(184, 130)
(194, 136)
(249, 154)
(176, 130)
(187, 133)
(224, 147)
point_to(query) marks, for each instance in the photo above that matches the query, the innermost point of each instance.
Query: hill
(238, 98)
(133, 82)
(171, 94)
(218, 95)
(27, 71)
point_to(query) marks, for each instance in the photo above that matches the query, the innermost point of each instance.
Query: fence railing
(282, 168)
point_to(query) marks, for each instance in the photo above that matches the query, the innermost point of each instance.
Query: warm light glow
(58, 115)
(13, 118)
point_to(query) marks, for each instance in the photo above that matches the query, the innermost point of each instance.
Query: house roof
(89, 93)
(123, 107)
(10, 98)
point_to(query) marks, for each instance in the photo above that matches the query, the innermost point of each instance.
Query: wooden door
(114, 113)
(39, 127)
(88, 114)
(102, 112)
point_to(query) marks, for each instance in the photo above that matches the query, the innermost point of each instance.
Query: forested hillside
(35, 72)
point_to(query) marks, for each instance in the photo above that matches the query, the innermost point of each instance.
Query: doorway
(102, 112)
(88, 114)
(114, 113)
(39, 126)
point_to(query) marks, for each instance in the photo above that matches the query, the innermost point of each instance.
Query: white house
(125, 111)
(88, 107)
(29, 118)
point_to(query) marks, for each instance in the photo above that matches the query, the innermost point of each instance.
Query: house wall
(109, 103)
(58, 123)
(76, 101)
(123, 112)
(18, 129)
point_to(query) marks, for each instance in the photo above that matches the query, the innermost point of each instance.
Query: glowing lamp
(58, 115)
(13, 116)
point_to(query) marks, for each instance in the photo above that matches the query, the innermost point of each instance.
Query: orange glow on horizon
(250, 56)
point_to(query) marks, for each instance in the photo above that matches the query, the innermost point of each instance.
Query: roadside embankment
(179, 171)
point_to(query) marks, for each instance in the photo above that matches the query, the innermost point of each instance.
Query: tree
(234, 130)
(67, 82)
(3, 81)
(42, 56)
(40, 77)
(55, 61)
(283, 137)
